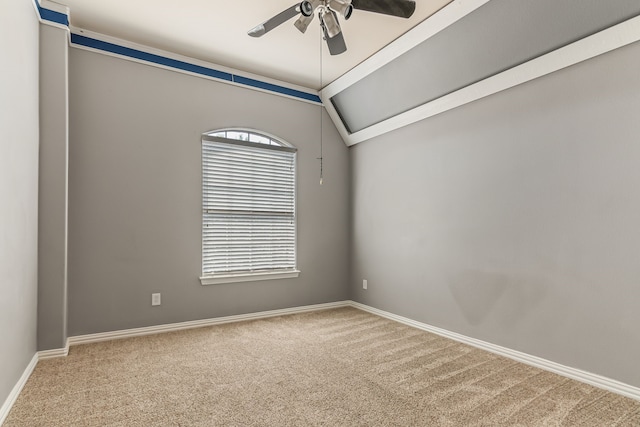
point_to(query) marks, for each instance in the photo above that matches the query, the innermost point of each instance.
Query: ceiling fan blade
(303, 22)
(336, 44)
(399, 8)
(270, 24)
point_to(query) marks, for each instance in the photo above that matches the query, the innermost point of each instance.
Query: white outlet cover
(156, 299)
(364, 284)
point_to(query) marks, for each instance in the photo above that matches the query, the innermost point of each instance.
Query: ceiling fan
(328, 11)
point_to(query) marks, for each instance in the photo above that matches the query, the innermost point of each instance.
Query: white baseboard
(128, 333)
(15, 392)
(538, 362)
(56, 352)
(573, 373)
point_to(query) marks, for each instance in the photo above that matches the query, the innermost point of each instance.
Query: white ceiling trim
(440, 20)
(604, 41)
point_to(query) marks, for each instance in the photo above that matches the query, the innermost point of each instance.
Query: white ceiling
(216, 31)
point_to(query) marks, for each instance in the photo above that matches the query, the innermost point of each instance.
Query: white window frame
(220, 135)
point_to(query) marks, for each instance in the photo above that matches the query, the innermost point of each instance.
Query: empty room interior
(333, 212)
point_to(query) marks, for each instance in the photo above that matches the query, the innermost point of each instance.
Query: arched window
(248, 207)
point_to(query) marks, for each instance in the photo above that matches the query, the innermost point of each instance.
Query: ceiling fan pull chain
(321, 107)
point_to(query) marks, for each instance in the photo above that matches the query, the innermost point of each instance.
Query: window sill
(248, 277)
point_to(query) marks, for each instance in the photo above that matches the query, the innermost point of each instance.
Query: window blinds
(248, 202)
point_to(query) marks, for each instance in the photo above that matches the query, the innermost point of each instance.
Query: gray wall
(514, 219)
(18, 189)
(135, 200)
(52, 204)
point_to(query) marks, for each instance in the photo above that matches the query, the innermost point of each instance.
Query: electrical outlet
(155, 299)
(364, 284)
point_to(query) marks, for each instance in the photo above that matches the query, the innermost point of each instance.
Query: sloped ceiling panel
(497, 36)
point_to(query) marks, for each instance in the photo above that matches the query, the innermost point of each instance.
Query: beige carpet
(340, 367)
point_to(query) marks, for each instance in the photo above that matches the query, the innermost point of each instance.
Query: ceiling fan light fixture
(302, 23)
(306, 9)
(330, 22)
(304, 20)
(343, 7)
